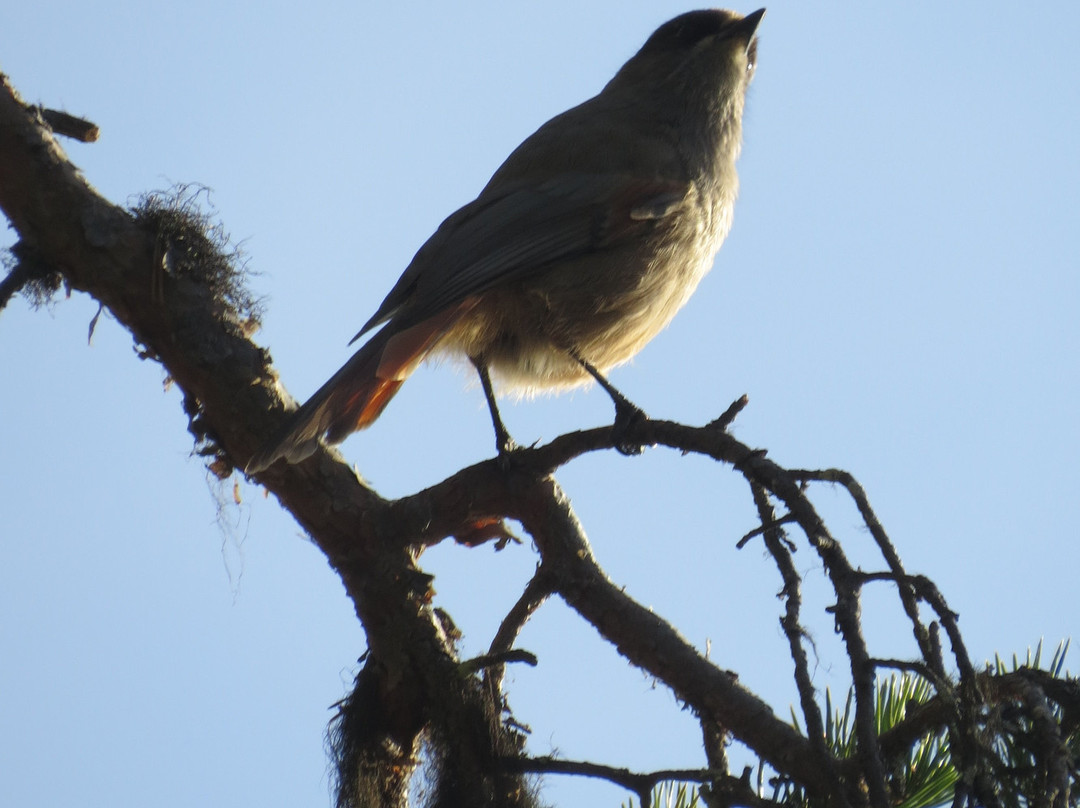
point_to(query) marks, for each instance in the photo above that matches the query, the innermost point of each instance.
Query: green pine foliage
(927, 777)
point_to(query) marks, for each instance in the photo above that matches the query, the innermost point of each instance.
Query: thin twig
(885, 545)
(777, 545)
(787, 519)
(641, 783)
(485, 661)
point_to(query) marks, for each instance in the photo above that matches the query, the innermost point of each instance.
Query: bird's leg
(626, 412)
(503, 442)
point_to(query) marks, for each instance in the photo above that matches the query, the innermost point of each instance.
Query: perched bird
(577, 252)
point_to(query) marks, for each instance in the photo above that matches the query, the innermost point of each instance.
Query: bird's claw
(627, 416)
(507, 448)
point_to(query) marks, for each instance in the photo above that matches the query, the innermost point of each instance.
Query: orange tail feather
(358, 393)
(362, 408)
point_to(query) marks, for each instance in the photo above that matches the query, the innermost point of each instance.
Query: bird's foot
(507, 447)
(627, 416)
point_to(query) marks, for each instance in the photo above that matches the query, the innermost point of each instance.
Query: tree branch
(167, 282)
(63, 123)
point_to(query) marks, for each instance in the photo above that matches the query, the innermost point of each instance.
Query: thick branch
(230, 390)
(652, 644)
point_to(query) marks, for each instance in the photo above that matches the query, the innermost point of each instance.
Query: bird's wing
(507, 234)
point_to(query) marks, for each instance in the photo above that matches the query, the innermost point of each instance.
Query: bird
(581, 247)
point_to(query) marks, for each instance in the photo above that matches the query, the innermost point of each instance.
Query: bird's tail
(358, 393)
(350, 400)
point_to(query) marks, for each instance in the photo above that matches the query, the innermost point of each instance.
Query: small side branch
(728, 416)
(70, 126)
(538, 589)
(779, 547)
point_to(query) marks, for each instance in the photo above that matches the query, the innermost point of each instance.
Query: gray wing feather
(506, 235)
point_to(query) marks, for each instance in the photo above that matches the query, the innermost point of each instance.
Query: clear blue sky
(898, 298)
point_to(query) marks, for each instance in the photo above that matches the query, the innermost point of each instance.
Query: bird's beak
(748, 25)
